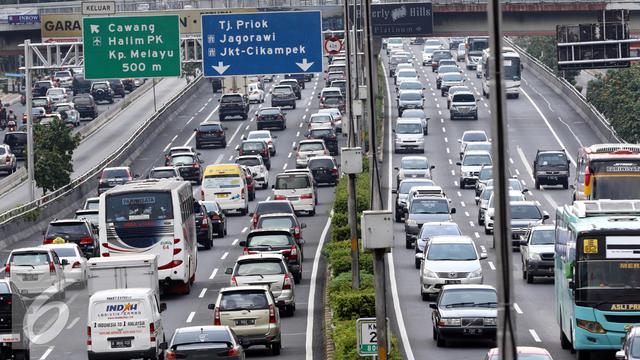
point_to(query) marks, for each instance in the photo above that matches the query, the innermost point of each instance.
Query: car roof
(277, 215)
(259, 132)
(133, 292)
(31, 248)
(260, 256)
(116, 168)
(249, 157)
(244, 288)
(65, 245)
(203, 328)
(451, 239)
(408, 121)
(474, 132)
(529, 350)
(321, 127)
(468, 286)
(322, 157)
(477, 152)
(162, 168)
(270, 108)
(184, 154)
(270, 230)
(413, 157)
(523, 202)
(543, 227)
(66, 221)
(87, 211)
(465, 92)
(409, 91)
(331, 88)
(311, 141)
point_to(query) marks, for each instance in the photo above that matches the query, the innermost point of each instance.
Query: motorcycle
(12, 126)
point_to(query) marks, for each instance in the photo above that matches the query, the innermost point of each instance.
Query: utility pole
(155, 109)
(500, 147)
(351, 188)
(28, 98)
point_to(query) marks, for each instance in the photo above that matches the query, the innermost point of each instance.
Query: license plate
(472, 331)
(120, 343)
(222, 196)
(552, 177)
(293, 198)
(245, 322)
(452, 281)
(30, 277)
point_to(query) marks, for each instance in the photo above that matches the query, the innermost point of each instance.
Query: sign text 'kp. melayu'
(262, 43)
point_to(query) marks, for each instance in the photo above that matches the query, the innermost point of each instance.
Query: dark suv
(271, 117)
(234, 105)
(203, 226)
(117, 86)
(295, 85)
(551, 167)
(283, 95)
(276, 241)
(210, 134)
(13, 312)
(102, 91)
(86, 106)
(256, 147)
(17, 141)
(78, 231)
(80, 85)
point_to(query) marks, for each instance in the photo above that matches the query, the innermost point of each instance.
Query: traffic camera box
(377, 229)
(351, 160)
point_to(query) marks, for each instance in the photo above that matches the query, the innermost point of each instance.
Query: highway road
(70, 331)
(107, 139)
(538, 119)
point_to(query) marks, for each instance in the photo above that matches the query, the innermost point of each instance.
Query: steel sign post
(131, 47)
(261, 43)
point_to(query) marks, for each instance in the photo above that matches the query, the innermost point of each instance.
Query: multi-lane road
(210, 277)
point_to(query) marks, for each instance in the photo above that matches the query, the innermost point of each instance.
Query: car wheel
(434, 333)
(440, 342)
(208, 243)
(224, 144)
(524, 271)
(529, 278)
(297, 277)
(480, 219)
(425, 296)
(408, 243)
(398, 216)
(565, 184)
(312, 212)
(275, 348)
(198, 147)
(252, 195)
(293, 106)
(417, 263)
(462, 184)
(537, 185)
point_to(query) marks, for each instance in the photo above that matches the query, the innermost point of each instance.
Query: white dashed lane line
(213, 274)
(493, 267)
(47, 353)
(202, 293)
(535, 336)
(190, 317)
(75, 321)
(235, 241)
(244, 230)
(517, 308)
(224, 256)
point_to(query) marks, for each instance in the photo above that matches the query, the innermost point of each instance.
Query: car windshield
(162, 174)
(139, 206)
(231, 98)
(83, 100)
(321, 164)
(210, 206)
(206, 338)
(258, 135)
(525, 212)
(292, 181)
(244, 300)
(40, 102)
(405, 186)
(253, 145)
(456, 89)
(100, 85)
(474, 136)
(55, 91)
(333, 100)
(67, 229)
(320, 119)
(311, 147)
(416, 163)
(399, 59)
(63, 108)
(476, 160)
(469, 297)
(61, 74)
(320, 133)
(543, 237)
(451, 251)
(410, 85)
(268, 240)
(329, 93)
(395, 41)
(260, 268)
(182, 160)
(468, 98)
(412, 96)
(252, 161)
(407, 73)
(274, 207)
(269, 112)
(432, 43)
(283, 222)
(212, 127)
(444, 69)
(486, 173)
(282, 90)
(115, 174)
(30, 258)
(437, 230)
(222, 181)
(558, 159)
(404, 128)
(91, 217)
(486, 194)
(65, 252)
(430, 206)
(452, 77)
(477, 145)
(414, 113)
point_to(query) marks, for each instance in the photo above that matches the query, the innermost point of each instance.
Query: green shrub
(340, 219)
(352, 304)
(345, 340)
(343, 282)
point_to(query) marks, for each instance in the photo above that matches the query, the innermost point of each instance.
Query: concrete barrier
(33, 220)
(12, 180)
(596, 121)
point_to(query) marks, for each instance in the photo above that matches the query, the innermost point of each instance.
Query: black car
(270, 207)
(208, 133)
(216, 84)
(217, 217)
(205, 342)
(551, 167)
(271, 117)
(283, 95)
(301, 78)
(13, 312)
(117, 86)
(102, 91)
(129, 85)
(189, 165)
(86, 106)
(80, 85)
(40, 87)
(276, 240)
(204, 229)
(437, 56)
(234, 105)
(114, 176)
(328, 134)
(17, 141)
(256, 147)
(465, 313)
(284, 220)
(324, 169)
(295, 85)
(78, 231)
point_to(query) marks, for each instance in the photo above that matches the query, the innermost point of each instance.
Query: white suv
(307, 149)
(408, 135)
(449, 259)
(470, 166)
(36, 270)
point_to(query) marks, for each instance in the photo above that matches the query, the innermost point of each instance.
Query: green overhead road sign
(131, 46)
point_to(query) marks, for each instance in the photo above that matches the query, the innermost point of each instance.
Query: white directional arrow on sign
(304, 65)
(95, 29)
(221, 68)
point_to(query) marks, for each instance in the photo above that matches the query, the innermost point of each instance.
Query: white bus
(512, 69)
(152, 217)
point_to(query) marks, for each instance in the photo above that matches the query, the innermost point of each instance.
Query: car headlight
(489, 321)
(534, 256)
(420, 140)
(475, 274)
(590, 326)
(449, 322)
(429, 274)
(411, 222)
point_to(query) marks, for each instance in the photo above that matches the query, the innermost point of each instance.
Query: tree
(53, 151)
(544, 48)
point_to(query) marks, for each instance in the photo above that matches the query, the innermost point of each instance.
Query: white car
(408, 135)
(263, 135)
(514, 195)
(165, 172)
(258, 169)
(420, 114)
(75, 271)
(537, 251)
(58, 95)
(92, 203)
(256, 94)
(427, 53)
(449, 259)
(470, 166)
(395, 44)
(406, 74)
(413, 167)
(470, 136)
(299, 189)
(337, 117)
(36, 270)
(320, 119)
(307, 149)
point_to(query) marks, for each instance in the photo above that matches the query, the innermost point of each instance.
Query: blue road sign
(261, 43)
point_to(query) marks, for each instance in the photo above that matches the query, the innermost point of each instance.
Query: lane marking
(202, 293)
(493, 267)
(289, 156)
(471, 224)
(213, 274)
(463, 204)
(235, 241)
(535, 336)
(466, 213)
(190, 317)
(284, 167)
(234, 134)
(484, 249)
(75, 321)
(211, 113)
(218, 159)
(244, 230)
(477, 235)
(224, 256)
(47, 353)
(571, 130)
(517, 308)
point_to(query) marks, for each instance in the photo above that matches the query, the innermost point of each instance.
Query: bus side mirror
(572, 285)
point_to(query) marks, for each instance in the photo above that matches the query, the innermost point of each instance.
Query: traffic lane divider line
(535, 336)
(190, 317)
(213, 274)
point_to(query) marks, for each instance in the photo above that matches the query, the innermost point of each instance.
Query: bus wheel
(565, 344)
(583, 355)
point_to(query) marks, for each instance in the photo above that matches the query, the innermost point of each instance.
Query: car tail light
(216, 316)
(47, 241)
(176, 251)
(334, 171)
(241, 152)
(87, 240)
(234, 282)
(296, 232)
(272, 315)
(76, 265)
(205, 223)
(106, 254)
(196, 166)
(7, 270)
(52, 268)
(152, 332)
(279, 197)
(7, 159)
(306, 196)
(233, 351)
(293, 253)
(201, 194)
(89, 335)
(254, 220)
(265, 152)
(176, 240)
(170, 355)
(286, 285)
(245, 251)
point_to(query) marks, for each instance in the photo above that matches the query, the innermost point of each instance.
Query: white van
(226, 184)
(125, 324)
(298, 188)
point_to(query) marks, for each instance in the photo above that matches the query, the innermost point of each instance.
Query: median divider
(596, 120)
(30, 219)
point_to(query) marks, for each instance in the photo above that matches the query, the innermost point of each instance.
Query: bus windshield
(615, 179)
(607, 274)
(512, 68)
(139, 206)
